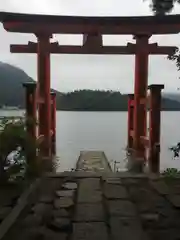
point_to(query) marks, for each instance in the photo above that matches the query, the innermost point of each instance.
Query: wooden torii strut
(93, 44)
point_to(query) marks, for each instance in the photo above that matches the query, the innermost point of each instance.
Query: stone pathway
(8, 198)
(94, 161)
(114, 207)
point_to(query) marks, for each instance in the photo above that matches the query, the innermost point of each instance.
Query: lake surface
(105, 131)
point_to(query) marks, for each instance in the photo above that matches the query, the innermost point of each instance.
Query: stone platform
(86, 206)
(95, 161)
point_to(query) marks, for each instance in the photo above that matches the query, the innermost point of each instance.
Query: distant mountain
(11, 85)
(11, 89)
(12, 94)
(89, 100)
(172, 96)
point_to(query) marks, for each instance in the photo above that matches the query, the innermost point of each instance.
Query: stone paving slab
(89, 196)
(89, 213)
(175, 200)
(127, 229)
(121, 208)
(160, 186)
(90, 231)
(104, 207)
(89, 191)
(112, 191)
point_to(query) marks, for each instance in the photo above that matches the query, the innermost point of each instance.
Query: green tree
(162, 7)
(13, 134)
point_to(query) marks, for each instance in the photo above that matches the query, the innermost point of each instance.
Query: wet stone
(89, 196)
(146, 200)
(4, 211)
(64, 202)
(160, 186)
(42, 209)
(89, 184)
(46, 199)
(60, 224)
(70, 185)
(89, 191)
(130, 181)
(115, 192)
(150, 219)
(174, 200)
(32, 220)
(113, 181)
(126, 228)
(60, 213)
(65, 193)
(89, 212)
(165, 234)
(122, 208)
(49, 234)
(89, 231)
(31, 233)
(41, 233)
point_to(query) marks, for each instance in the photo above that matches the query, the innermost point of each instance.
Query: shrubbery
(13, 135)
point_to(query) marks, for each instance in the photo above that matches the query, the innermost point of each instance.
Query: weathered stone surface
(42, 209)
(53, 235)
(4, 211)
(89, 184)
(64, 202)
(60, 223)
(150, 219)
(175, 200)
(113, 181)
(60, 213)
(89, 212)
(160, 186)
(130, 181)
(65, 193)
(146, 200)
(127, 229)
(89, 196)
(115, 191)
(122, 208)
(31, 233)
(46, 199)
(80, 174)
(159, 222)
(70, 185)
(32, 220)
(165, 234)
(89, 231)
(41, 233)
(89, 191)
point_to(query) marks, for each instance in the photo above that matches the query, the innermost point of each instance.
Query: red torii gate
(92, 44)
(93, 28)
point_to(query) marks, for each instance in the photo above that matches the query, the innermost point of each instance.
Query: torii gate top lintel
(24, 23)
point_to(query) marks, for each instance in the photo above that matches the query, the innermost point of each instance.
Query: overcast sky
(69, 72)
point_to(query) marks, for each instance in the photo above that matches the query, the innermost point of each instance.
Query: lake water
(105, 131)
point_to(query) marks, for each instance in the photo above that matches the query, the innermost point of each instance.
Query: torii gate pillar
(154, 127)
(53, 122)
(140, 94)
(44, 92)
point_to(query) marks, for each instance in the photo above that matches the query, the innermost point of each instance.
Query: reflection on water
(105, 131)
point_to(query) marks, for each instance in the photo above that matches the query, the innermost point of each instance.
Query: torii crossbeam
(55, 48)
